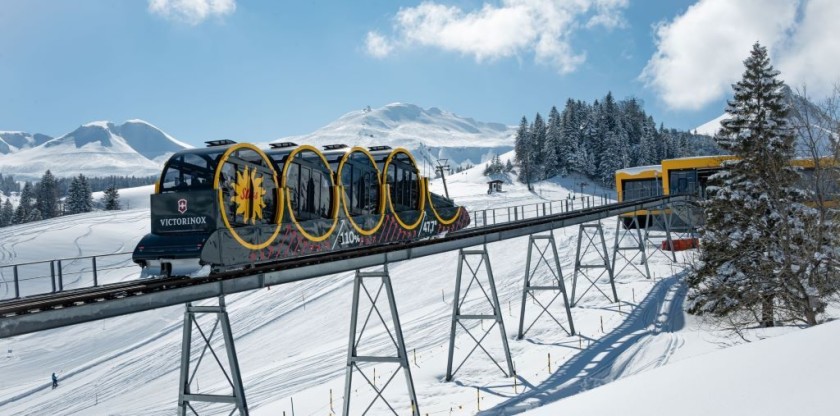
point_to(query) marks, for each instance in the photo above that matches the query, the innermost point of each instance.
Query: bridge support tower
(592, 232)
(354, 359)
(479, 258)
(555, 283)
(185, 393)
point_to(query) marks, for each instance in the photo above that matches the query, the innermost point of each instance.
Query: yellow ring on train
(333, 192)
(420, 183)
(434, 211)
(381, 213)
(278, 212)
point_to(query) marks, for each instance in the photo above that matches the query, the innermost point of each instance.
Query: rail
(501, 215)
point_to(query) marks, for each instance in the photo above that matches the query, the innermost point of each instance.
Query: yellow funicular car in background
(637, 183)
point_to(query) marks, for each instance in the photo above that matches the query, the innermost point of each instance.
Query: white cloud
(812, 57)
(701, 52)
(191, 12)
(516, 27)
(377, 45)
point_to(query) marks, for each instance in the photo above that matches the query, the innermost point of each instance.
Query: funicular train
(233, 205)
(690, 175)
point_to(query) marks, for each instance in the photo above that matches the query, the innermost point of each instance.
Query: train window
(187, 172)
(247, 199)
(310, 191)
(640, 188)
(361, 186)
(292, 178)
(683, 181)
(403, 186)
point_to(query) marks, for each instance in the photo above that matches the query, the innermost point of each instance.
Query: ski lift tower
(441, 166)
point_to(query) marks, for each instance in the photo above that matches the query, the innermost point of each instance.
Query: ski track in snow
(645, 340)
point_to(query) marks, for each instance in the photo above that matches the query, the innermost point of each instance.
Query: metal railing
(58, 275)
(501, 215)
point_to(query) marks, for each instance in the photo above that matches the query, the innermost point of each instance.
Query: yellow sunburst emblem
(249, 194)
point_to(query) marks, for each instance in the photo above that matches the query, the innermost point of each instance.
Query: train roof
(710, 161)
(640, 169)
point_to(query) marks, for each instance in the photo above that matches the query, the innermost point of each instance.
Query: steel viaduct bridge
(60, 308)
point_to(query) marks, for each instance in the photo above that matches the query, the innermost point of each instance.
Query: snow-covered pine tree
(613, 158)
(765, 254)
(87, 201)
(7, 214)
(647, 144)
(522, 152)
(25, 203)
(75, 197)
(538, 134)
(571, 128)
(494, 166)
(555, 161)
(20, 215)
(34, 215)
(111, 199)
(47, 196)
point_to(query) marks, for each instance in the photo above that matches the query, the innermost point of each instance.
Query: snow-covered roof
(639, 169)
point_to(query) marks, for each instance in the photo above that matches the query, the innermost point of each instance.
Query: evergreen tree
(47, 196)
(7, 214)
(79, 196)
(34, 215)
(555, 161)
(538, 134)
(508, 166)
(87, 193)
(613, 158)
(494, 167)
(25, 203)
(765, 254)
(21, 214)
(647, 144)
(522, 152)
(111, 199)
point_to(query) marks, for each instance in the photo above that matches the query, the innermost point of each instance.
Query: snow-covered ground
(291, 340)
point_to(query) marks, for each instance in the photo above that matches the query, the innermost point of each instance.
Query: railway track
(77, 297)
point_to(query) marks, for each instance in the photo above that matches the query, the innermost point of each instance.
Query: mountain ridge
(98, 148)
(137, 147)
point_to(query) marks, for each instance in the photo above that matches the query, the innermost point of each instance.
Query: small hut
(494, 186)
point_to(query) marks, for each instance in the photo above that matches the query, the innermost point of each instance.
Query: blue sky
(261, 70)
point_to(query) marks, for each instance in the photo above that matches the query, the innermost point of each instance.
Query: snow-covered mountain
(99, 148)
(138, 148)
(430, 134)
(15, 141)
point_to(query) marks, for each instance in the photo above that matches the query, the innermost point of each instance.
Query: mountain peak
(428, 133)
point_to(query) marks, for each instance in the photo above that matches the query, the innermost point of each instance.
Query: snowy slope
(710, 128)
(96, 149)
(430, 133)
(793, 374)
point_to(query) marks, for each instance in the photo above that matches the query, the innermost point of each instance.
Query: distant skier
(54, 380)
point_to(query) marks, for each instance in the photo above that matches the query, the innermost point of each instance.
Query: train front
(200, 193)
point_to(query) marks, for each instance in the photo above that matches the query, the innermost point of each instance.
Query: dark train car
(232, 205)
